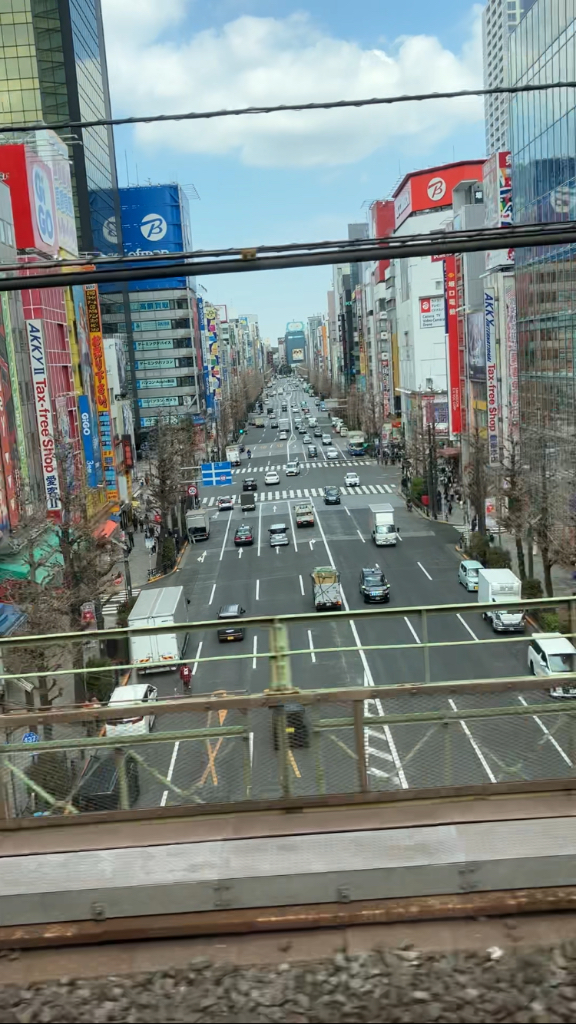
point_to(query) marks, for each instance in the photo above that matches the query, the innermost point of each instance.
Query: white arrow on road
(311, 543)
(239, 552)
(274, 508)
(202, 556)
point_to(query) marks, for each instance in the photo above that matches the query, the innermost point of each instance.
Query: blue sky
(305, 177)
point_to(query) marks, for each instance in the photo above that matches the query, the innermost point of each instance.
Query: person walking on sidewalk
(130, 535)
(449, 508)
(186, 677)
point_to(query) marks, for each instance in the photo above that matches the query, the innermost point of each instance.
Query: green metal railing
(285, 746)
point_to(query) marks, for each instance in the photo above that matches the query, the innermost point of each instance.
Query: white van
(550, 654)
(134, 693)
(162, 606)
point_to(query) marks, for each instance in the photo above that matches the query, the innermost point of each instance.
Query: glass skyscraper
(543, 144)
(52, 68)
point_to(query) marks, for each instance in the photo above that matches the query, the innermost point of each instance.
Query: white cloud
(265, 61)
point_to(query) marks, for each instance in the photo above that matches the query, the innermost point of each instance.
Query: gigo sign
(44, 205)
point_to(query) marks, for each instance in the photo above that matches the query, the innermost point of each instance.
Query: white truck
(233, 454)
(326, 588)
(382, 527)
(502, 588)
(162, 606)
(197, 525)
(284, 424)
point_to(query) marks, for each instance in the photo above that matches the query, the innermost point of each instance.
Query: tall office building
(499, 19)
(53, 68)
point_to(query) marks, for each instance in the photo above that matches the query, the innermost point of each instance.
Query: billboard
(211, 324)
(35, 335)
(512, 357)
(297, 355)
(476, 346)
(492, 404)
(54, 152)
(452, 353)
(432, 312)
(89, 429)
(32, 194)
(101, 390)
(432, 189)
(8, 433)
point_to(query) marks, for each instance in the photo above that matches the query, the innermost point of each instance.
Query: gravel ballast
(528, 987)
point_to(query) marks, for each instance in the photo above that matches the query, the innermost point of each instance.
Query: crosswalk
(114, 602)
(252, 470)
(306, 492)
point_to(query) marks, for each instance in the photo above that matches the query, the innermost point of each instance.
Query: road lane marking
(292, 527)
(257, 590)
(548, 734)
(466, 626)
(240, 552)
(474, 745)
(254, 652)
(425, 571)
(301, 586)
(197, 656)
(348, 510)
(210, 502)
(225, 538)
(212, 594)
(259, 526)
(170, 771)
(312, 655)
(361, 537)
(412, 630)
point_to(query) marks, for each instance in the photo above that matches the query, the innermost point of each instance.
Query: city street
(421, 570)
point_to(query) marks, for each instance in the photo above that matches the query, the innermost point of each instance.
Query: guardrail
(287, 747)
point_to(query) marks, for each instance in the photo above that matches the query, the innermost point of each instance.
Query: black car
(232, 632)
(292, 718)
(331, 495)
(274, 424)
(98, 788)
(249, 484)
(312, 451)
(374, 586)
(243, 536)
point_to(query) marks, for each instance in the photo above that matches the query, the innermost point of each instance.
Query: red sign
(128, 453)
(32, 196)
(192, 490)
(432, 189)
(454, 406)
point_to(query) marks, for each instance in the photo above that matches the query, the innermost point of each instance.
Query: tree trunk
(520, 558)
(530, 544)
(547, 563)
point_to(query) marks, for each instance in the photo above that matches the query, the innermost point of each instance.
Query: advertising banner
(476, 346)
(153, 343)
(32, 194)
(11, 425)
(88, 386)
(433, 312)
(512, 358)
(35, 334)
(452, 354)
(55, 154)
(101, 391)
(208, 397)
(432, 189)
(297, 355)
(86, 428)
(153, 403)
(155, 364)
(157, 382)
(211, 322)
(493, 409)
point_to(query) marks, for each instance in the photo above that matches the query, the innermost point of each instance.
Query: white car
(134, 693)
(326, 439)
(292, 469)
(352, 480)
(272, 477)
(283, 435)
(331, 453)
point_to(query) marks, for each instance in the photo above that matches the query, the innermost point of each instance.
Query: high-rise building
(499, 19)
(542, 133)
(55, 69)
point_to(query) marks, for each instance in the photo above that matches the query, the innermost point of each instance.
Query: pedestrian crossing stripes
(114, 602)
(252, 470)
(306, 492)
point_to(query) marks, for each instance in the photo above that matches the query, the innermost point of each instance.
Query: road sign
(192, 490)
(30, 737)
(216, 474)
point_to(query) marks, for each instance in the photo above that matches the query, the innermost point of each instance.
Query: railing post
(280, 673)
(359, 739)
(447, 727)
(120, 758)
(424, 615)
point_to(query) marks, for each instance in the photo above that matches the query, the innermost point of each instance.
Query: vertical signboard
(493, 408)
(211, 321)
(19, 422)
(55, 154)
(101, 390)
(35, 335)
(90, 425)
(452, 360)
(512, 357)
(87, 440)
(203, 342)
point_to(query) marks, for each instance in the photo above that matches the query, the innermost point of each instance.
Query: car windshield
(243, 531)
(473, 573)
(224, 499)
(561, 662)
(374, 580)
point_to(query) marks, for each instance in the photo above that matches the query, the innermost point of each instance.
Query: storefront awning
(448, 453)
(105, 530)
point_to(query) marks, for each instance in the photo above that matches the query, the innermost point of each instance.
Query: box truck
(382, 527)
(501, 588)
(248, 500)
(326, 588)
(197, 525)
(233, 454)
(162, 606)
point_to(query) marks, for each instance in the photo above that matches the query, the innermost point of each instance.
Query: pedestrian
(141, 524)
(474, 524)
(449, 508)
(439, 499)
(130, 534)
(146, 519)
(186, 677)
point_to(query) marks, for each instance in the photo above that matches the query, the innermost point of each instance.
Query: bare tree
(476, 476)
(513, 500)
(371, 415)
(169, 443)
(353, 408)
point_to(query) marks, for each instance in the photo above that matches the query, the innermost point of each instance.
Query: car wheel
(532, 672)
(484, 616)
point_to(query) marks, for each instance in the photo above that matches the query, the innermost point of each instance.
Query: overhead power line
(314, 255)
(203, 115)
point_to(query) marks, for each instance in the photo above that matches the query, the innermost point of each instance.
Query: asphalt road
(421, 570)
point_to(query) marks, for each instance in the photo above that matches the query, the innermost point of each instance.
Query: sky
(291, 177)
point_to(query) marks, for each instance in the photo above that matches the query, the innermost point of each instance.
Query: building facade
(499, 19)
(542, 133)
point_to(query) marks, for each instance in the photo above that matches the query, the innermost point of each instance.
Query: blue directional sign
(30, 737)
(216, 474)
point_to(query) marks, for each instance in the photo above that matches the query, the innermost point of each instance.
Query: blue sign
(155, 220)
(87, 440)
(197, 419)
(30, 737)
(216, 474)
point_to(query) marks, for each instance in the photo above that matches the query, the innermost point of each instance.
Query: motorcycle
(249, 454)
